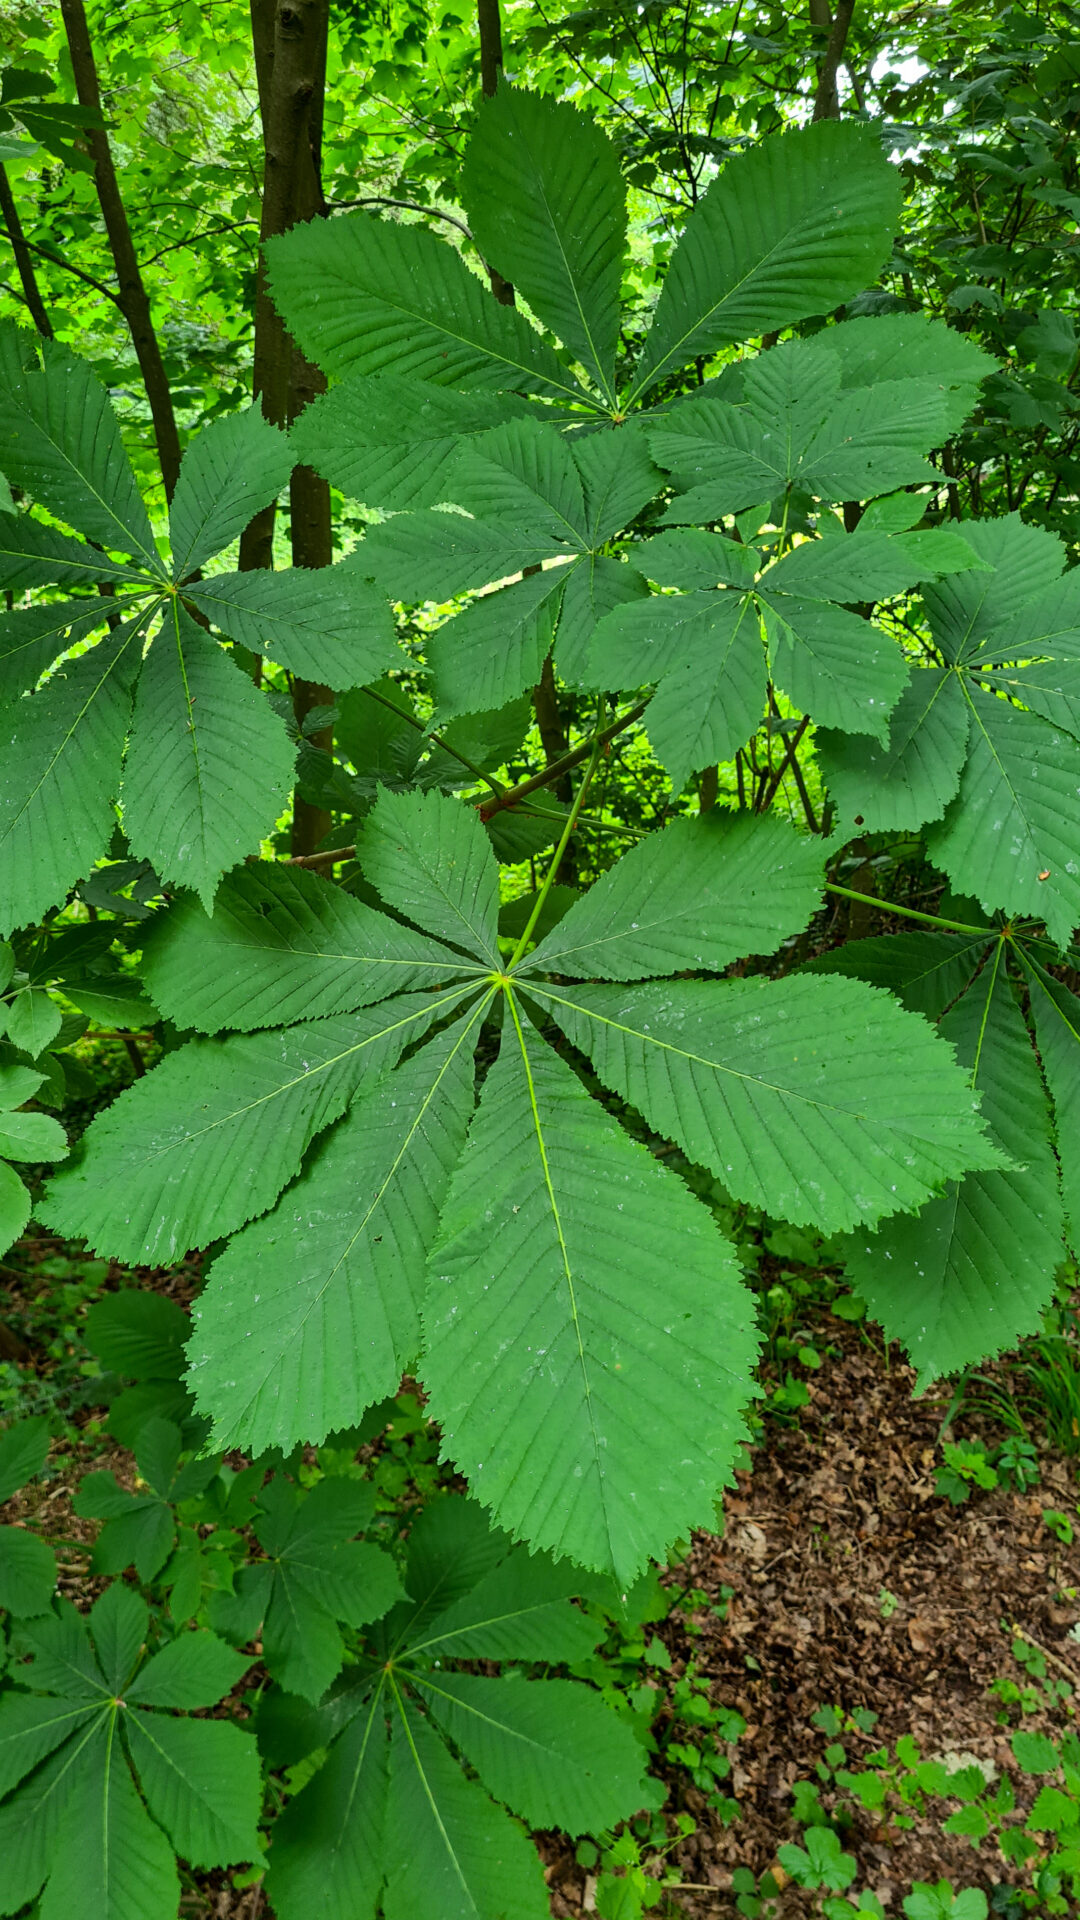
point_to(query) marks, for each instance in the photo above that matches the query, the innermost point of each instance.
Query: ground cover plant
(633, 837)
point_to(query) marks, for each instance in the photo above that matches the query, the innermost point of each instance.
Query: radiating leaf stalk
(538, 906)
(908, 913)
(428, 1795)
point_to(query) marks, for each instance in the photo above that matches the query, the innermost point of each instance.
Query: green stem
(477, 772)
(911, 913)
(598, 747)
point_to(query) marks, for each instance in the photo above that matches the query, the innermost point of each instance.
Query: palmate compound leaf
(75, 1821)
(546, 201)
(836, 1105)
(536, 1304)
(547, 1749)
(799, 419)
(209, 764)
(790, 229)
(209, 1139)
(64, 747)
(971, 1273)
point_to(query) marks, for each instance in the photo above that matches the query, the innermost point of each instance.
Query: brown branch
(66, 265)
(23, 258)
(489, 25)
(554, 772)
(132, 295)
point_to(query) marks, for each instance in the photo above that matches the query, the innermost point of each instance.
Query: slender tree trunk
(23, 258)
(827, 98)
(549, 720)
(132, 294)
(489, 23)
(289, 39)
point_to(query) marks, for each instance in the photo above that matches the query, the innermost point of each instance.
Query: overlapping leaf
(984, 745)
(27, 1564)
(540, 508)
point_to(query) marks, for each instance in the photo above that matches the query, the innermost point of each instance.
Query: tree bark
(289, 39)
(23, 258)
(489, 24)
(132, 295)
(827, 98)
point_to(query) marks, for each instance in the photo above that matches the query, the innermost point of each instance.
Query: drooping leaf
(912, 778)
(842, 670)
(392, 442)
(704, 651)
(362, 295)
(819, 1099)
(545, 199)
(1057, 1027)
(1008, 837)
(437, 555)
(791, 228)
(64, 746)
(523, 475)
(927, 971)
(59, 439)
(27, 1572)
(539, 1179)
(209, 764)
(235, 467)
(494, 651)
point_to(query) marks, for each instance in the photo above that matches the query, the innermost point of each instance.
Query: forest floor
(843, 1581)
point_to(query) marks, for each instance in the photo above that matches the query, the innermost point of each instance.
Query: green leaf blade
(573, 1316)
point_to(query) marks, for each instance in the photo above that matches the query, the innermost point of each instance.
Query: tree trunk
(289, 39)
(827, 98)
(132, 295)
